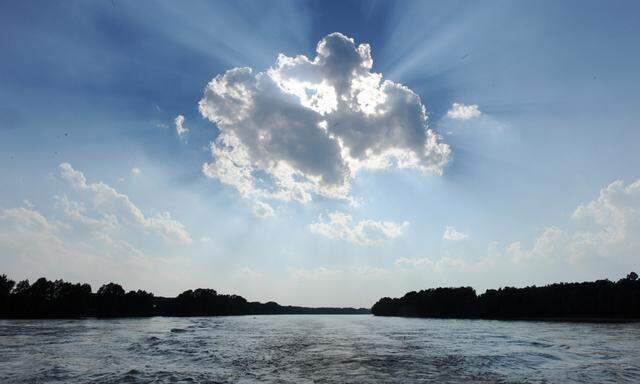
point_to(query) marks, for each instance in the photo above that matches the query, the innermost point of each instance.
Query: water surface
(316, 349)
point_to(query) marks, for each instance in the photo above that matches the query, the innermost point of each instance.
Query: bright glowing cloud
(136, 171)
(341, 226)
(451, 234)
(306, 127)
(460, 111)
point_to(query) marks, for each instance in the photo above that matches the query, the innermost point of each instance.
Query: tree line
(60, 299)
(601, 299)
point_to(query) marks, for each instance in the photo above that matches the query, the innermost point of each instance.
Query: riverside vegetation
(60, 299)
(600, 300)
(597, 300)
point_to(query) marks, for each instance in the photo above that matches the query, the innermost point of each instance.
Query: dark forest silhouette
(602, 299)
(61, 299)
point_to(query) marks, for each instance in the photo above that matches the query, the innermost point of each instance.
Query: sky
(323, 153)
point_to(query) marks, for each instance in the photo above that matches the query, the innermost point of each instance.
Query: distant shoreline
(593, 320)
(183, 317)
(582, 320)
(601, 301)
(46, 299)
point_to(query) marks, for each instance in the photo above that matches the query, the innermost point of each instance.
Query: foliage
(598, 299)
(60, 299)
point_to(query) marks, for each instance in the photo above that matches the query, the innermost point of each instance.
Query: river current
(316, 349)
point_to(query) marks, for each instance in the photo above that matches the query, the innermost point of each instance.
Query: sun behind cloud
(306, 127)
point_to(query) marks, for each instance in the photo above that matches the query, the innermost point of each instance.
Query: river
(316, 349)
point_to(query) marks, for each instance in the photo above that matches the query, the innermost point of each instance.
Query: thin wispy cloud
(262, 210)
(341, 226)
(441, 265)
(451, 234)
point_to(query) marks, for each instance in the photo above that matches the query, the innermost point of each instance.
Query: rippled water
(310, 349)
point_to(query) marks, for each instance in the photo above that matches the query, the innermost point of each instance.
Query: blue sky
(532, 177)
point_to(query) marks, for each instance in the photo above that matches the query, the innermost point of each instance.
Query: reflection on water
(308, 349)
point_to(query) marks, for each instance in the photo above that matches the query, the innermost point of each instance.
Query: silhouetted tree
(6, 285)
(139, 303)
(110, 300)
(58, 298)
(111, 289)
(21, 286)
(598, 299)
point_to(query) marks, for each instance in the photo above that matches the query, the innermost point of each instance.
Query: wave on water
(309, 349)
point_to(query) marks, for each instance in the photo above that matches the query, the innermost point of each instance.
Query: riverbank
(590, 301)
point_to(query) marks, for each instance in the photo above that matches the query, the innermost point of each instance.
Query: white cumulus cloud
(306, 126)
(460, 111)
(341, 226)
(617, 209)
(180, 128)
(111, 207)
(135, 171)
(451, 234)
(614, 232)
(34, 244)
